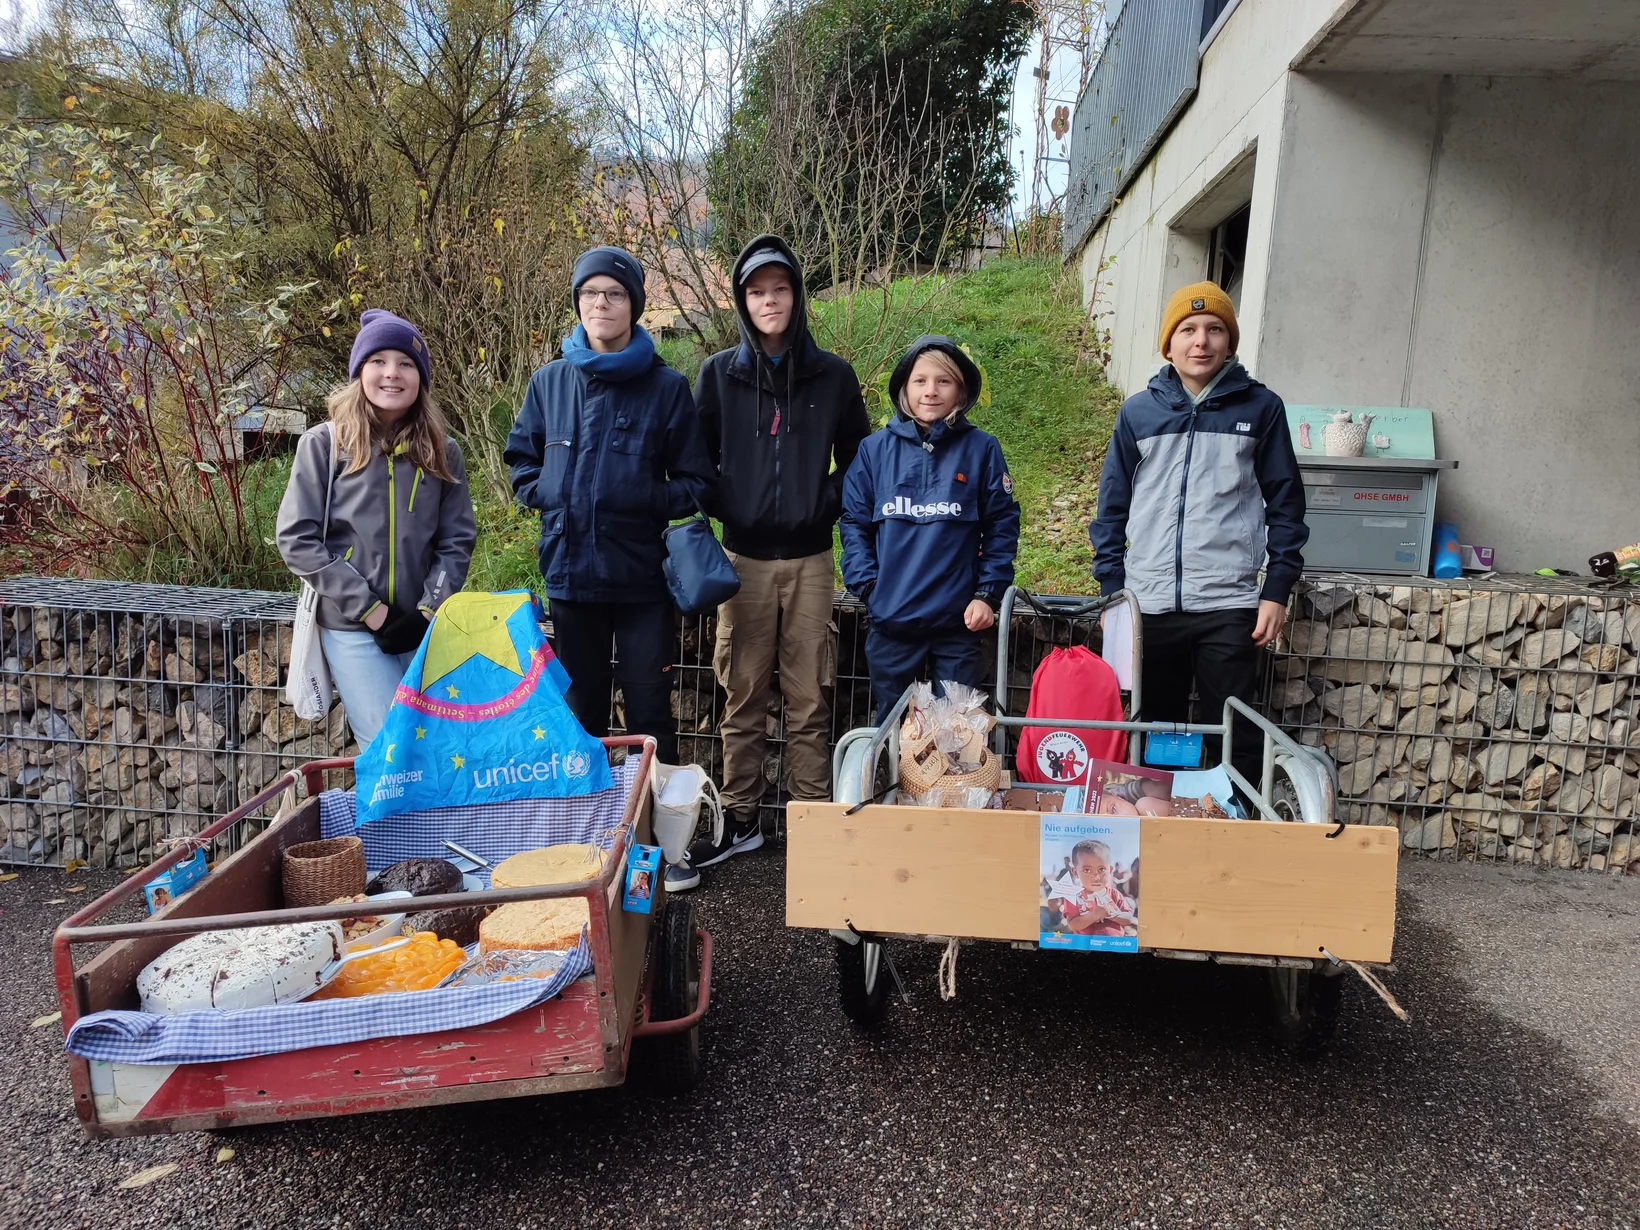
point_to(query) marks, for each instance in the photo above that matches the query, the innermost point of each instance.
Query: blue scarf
(637, 357)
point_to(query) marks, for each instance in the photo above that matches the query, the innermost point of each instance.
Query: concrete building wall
(1468, 245)
(1154, 240)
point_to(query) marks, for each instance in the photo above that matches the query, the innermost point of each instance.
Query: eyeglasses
(615, 298)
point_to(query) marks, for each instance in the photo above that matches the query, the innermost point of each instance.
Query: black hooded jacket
(782, 434)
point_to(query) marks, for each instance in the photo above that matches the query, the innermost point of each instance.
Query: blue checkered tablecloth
(206, 1037)
(493, 831)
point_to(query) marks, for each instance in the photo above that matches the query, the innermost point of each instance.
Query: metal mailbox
(1370, 514)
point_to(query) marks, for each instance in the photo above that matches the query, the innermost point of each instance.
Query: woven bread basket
(318, 872)
(923, 766)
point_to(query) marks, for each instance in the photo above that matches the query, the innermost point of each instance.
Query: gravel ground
(1057, 1090)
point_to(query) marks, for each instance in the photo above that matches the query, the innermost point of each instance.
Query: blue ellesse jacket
(607, 463)
(1192, 497)
(929, 518)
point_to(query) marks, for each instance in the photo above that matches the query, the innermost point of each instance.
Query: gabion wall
(1492, 720)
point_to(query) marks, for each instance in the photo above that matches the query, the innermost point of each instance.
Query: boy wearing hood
(930, 527)
(1200, 484)
(607, 447)
(783, 420)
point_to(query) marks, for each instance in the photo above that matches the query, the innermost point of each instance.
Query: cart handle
(1063, 608)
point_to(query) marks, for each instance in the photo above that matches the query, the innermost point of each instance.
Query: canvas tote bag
(307, 685)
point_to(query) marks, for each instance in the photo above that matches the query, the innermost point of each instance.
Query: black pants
(895, 664)
(643, 636)
(1215, 650)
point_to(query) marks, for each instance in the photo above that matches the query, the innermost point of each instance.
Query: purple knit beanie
(381, 330)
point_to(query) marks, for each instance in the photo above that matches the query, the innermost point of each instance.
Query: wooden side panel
(1280, 890)
(247, 880)
(1233, 886)
(557, 1039)
(926, 870)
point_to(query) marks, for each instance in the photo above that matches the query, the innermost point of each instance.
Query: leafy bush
(129, 347)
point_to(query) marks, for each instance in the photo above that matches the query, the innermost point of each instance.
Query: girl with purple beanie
(377, 517)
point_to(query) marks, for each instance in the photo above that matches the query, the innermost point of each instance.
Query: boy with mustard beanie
(1200, 486)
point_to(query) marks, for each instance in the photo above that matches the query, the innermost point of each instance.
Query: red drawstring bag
(1077, 684)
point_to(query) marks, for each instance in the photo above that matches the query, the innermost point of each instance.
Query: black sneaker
(681, 877)
(741, 835)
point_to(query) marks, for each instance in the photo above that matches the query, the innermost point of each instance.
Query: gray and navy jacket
(1193, 496)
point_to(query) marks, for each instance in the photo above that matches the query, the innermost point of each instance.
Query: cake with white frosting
(248, 968)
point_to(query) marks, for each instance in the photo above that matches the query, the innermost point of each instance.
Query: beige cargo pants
(782, 613)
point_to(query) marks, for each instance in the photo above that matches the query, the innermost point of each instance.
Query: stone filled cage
(1489, 719)
(133, 715)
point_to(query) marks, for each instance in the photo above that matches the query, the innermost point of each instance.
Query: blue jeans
(365, 676)
(896, 664)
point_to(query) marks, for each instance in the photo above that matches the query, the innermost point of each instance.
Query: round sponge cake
(534, 925)
(565, 864)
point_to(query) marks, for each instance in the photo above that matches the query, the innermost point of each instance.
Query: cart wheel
(862, 980)
(672, 1061)
(1305, 1006)
(1298, 790)
(1284, 798)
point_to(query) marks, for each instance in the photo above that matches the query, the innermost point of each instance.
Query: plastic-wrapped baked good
(508, 965)
(419, 965)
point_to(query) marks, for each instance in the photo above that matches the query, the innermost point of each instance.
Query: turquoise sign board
(1395, 431)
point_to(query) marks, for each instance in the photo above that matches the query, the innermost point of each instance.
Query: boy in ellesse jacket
(930, 527)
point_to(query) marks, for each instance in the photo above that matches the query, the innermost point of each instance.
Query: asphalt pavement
(1056, 1090)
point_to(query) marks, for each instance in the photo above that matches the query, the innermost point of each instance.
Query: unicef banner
(479, 718)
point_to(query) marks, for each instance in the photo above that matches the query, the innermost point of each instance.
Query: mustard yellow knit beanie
(1199, 297)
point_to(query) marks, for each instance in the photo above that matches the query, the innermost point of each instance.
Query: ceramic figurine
(1344, 437)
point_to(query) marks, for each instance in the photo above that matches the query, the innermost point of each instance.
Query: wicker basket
(318, 872)
(923, 766)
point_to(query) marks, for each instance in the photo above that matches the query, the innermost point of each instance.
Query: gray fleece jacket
(397, 535)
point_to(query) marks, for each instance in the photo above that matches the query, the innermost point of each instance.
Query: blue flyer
(1089, 892)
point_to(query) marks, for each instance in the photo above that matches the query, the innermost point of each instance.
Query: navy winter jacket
(929, 516)
(608, 463)
(1193, 496)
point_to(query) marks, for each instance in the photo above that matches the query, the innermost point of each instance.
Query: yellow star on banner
(539, 733)
(451, 691)
(457, 761)
(471, 626)
(421, 732)
(389, 756)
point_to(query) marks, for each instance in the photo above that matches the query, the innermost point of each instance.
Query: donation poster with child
(1089, 891)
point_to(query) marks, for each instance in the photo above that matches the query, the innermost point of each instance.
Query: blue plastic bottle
(1448, 560)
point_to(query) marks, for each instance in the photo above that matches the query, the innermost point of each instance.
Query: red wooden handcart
(650, 983)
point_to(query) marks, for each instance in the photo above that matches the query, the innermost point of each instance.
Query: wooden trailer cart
(1290, 890)
(650, 986)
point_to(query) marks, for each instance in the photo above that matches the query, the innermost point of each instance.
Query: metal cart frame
(1297, 785)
